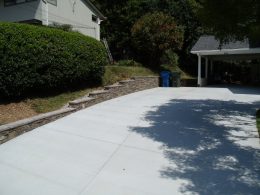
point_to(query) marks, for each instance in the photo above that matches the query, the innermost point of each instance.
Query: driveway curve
(155, 142)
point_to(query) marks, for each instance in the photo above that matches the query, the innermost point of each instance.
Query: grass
(48, 104)
(26, 108)
(258, 121)
(114, 74)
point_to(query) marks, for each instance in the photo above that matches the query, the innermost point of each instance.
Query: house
(82, 15)
(209, 49)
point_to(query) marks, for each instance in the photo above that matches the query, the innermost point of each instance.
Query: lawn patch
(52, 103)
(114, 74)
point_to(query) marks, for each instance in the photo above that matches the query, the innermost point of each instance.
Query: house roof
(209, 45)
(95, 10)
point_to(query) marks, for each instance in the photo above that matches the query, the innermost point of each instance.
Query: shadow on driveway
(213, 143)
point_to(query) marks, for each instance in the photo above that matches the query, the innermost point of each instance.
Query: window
(14, 2)
(94, 18)
(53, 2)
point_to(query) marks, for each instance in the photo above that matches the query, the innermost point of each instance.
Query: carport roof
(209, 45)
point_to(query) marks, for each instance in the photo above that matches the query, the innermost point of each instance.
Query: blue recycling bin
(165, 76)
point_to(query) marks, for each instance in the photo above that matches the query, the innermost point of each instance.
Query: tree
(185, 14)
(153, 34)
(230, 19)
(121, 14)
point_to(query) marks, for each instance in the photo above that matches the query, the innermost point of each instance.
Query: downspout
(199, 70)
(46, 12)
(97, 31)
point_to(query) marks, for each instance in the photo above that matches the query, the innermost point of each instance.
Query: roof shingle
(206, 43)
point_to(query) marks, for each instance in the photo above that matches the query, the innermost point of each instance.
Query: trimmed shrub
(35, 58)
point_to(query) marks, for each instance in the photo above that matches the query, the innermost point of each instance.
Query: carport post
(199, 70)
(211, 67)
(206, 68)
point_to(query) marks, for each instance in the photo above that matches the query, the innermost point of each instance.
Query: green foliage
(185, 14)
(127, 63)
(170, 57)
(65, 27)
(57, 101)
(229, 19)
(122, 14)
(153, 34)
(114, 74)
(36, 58)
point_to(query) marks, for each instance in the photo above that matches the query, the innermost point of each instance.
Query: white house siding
(79, 16)
(21, 12)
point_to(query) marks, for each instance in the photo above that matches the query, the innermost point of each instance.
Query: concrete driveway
(156, 142)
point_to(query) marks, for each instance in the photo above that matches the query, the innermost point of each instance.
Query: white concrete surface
(156, 142)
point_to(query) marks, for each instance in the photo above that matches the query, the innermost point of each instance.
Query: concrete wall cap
(113, 86)
(98, 92)
(35, 118)
(126, 81)
(82, 100)
(145, 77)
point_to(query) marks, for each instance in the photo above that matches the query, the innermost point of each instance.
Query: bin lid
(165, 74)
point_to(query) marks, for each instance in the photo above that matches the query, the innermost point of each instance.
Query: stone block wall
(12, 130)
(118, 89)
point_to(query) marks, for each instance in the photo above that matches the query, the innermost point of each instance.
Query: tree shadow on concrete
(210, 142)
(239, 89)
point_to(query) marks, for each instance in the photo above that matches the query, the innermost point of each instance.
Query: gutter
(228, 51)
(95, 9)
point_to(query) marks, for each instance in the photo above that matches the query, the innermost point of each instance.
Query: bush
(153, 34)
(64, 27)
(34, 59)
(170, 57)
(127, 63)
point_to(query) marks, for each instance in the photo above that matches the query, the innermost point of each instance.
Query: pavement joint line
(107, 168)
(119, 146)
(84, 137)
(142, 149)
(105, 141)
(106, 162)
(40, 176)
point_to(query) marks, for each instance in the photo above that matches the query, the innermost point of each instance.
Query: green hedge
(36, 58)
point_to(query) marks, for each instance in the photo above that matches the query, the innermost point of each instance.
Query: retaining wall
(12, 130)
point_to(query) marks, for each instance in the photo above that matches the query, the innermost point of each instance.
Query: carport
(208, 49)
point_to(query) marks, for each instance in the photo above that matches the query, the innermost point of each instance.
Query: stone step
(126, 81)
(98, 92)
(113, 86)
(144, 77)
(81, 101)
